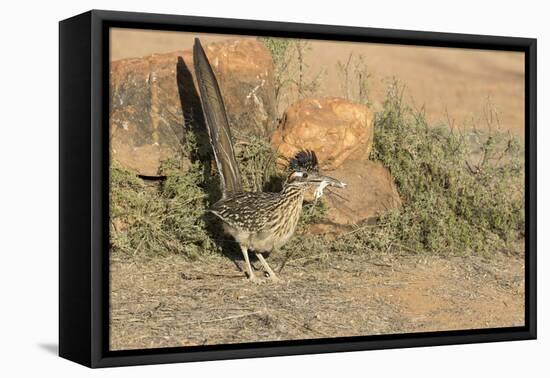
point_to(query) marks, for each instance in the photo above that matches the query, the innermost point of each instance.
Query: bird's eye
(304, 175)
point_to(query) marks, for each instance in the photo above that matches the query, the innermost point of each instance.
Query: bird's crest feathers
(304, 160)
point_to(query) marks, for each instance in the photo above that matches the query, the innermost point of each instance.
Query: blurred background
(449, 82)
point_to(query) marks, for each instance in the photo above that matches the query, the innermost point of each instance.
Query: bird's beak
(325, 181)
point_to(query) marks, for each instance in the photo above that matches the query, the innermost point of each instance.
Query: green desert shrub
(354, 78)
(462, 189)
(291, 81)
(257, 163)
(160, 217)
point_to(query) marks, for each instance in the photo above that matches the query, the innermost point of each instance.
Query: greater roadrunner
(258, 221)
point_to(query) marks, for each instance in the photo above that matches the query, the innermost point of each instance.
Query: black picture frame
(83, 182)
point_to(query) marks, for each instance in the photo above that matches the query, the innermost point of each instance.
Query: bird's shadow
(194, 124)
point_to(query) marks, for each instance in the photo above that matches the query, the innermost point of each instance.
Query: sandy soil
(454, 83)
(164, 302)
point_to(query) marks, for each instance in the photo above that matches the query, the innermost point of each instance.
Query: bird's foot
(272, 277)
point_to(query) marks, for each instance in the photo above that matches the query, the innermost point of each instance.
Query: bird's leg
(251, 275)
(271, 273)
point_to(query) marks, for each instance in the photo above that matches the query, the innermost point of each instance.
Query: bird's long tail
(216, 122)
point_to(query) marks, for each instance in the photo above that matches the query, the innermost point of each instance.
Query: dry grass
(169, 301)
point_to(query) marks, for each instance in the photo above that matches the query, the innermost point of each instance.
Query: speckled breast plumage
(261, 221)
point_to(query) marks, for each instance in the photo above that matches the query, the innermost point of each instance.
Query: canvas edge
(75, 335)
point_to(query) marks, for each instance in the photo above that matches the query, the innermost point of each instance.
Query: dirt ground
(168, 301)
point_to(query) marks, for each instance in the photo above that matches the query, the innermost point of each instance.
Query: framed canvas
(235, 188)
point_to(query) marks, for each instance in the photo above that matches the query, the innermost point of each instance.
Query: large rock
(332, 127)
(244, 69)
(153, 97)
(370, 191)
